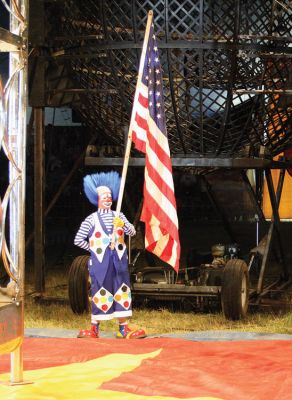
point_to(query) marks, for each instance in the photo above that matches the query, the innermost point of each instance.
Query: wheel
(78, 285)
(235, 289)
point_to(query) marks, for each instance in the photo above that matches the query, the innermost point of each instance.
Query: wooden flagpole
(129, 139)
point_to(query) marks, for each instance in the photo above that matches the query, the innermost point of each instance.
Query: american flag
(149, 135)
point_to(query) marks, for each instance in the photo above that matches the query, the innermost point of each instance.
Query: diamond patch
(103, 299)
(123, 296)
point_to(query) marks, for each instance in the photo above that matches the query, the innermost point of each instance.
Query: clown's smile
(105, 201)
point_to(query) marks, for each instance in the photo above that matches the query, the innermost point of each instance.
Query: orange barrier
(285, 208)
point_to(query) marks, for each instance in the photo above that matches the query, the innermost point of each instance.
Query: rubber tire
(235, 289)
(78, 285)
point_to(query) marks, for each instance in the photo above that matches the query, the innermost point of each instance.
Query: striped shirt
(87, 227)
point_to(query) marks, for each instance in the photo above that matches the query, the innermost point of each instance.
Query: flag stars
(155, 113)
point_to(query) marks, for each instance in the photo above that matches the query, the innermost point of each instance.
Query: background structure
(227, 80)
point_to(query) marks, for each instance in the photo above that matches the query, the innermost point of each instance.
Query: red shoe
(131, 334)
(89, 333)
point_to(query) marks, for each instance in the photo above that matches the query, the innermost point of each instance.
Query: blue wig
(110, 179)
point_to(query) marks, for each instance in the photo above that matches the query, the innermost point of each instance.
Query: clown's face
(105, 200)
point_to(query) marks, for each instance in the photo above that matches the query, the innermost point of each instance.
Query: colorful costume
(108, 263)
(108, 269)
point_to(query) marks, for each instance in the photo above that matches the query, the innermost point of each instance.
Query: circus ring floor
(196, 365)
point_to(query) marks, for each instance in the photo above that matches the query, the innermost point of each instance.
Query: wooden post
(38, 201)
(129, 140)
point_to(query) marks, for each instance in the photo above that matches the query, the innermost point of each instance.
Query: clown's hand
(118, 222)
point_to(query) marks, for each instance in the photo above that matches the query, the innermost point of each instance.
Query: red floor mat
(259, 370)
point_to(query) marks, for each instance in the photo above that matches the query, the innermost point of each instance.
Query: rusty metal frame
(196, 162)
(264, 248)
(275, 198)
(244, 49)
(207, 164)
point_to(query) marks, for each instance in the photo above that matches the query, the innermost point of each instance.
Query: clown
(102, 233)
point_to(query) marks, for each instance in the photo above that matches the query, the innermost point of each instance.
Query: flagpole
(129, 139)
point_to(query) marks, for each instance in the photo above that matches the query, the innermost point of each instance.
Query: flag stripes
(149, 136)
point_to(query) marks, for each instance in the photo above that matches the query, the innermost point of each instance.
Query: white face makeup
(105, 200)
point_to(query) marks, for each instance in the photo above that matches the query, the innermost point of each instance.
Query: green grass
(159, 321)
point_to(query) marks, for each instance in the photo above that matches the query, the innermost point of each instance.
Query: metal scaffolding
(226, 70)
(13, 146)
